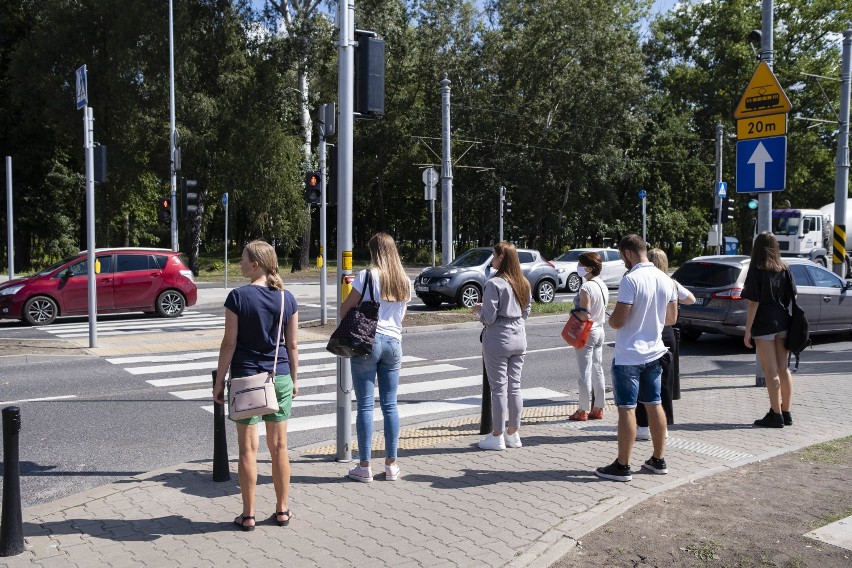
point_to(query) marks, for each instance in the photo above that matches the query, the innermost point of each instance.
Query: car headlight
(11, 290)
(442, 281)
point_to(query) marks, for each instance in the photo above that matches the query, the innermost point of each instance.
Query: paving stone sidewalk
(454, 505)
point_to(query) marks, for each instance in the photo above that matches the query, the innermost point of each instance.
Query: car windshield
(570, 256)
(706, 274)
(54, 266)
(786, 225)
(473, 257)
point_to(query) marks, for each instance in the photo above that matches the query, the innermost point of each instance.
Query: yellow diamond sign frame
(763, 96)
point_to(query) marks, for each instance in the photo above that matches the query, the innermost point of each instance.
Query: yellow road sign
(763, 95)
(762, 126)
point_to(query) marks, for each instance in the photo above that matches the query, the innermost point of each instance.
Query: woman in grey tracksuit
(504, 343)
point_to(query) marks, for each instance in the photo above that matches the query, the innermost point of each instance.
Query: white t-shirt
(599, 296)
(390, 313)
(649, 291)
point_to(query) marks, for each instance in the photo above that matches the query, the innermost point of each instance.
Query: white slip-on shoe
(512, 440)
(492, 442)
(391, 472)
(643, 433)
(362, 474)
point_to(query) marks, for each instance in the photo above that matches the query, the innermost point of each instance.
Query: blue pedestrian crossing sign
(722, 189)
(82, 87)
(762, 165)
(224, 199)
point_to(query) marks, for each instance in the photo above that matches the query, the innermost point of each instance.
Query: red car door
(74, 286)
(138, 278)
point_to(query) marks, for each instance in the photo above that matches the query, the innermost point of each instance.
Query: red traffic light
(313, 180)
(166, 202)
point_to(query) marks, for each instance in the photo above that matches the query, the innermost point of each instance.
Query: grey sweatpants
(503, 346)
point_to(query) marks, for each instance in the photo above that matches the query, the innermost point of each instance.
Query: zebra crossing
(189, 321)
(456, 388)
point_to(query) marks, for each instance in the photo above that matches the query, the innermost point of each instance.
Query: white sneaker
(643, 433)
(391, 472)
(362, 474)
(512, 440)
(492, 442)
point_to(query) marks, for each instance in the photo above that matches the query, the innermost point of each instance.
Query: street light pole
(172, 131)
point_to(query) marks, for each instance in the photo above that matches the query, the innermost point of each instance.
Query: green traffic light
(752, 203)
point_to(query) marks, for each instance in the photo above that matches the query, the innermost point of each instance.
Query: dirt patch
(433, 318)
(38, 347)
(753, 516)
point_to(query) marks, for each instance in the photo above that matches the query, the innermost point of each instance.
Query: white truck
(808, 233)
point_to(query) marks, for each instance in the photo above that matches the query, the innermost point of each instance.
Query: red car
(128, 280)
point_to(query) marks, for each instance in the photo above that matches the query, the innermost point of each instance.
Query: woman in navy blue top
(248, 348)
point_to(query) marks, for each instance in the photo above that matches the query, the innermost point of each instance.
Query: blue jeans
(384, 362)
(632, 383)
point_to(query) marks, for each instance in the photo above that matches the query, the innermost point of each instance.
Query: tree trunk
(301, 257)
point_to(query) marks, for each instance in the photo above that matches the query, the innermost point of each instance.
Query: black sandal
(241, 523)
(282, 523)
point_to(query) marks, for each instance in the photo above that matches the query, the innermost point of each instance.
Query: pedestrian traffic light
(728, 211)
(189, 197)
(752, 204)
(313, 191)
(164, 211)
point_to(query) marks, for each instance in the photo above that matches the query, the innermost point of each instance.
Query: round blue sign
(642, 194)
(224, 199)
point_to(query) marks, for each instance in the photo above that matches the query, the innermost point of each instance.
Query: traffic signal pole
(345, 143)
(172, 130)
(717, 199)
(841, 167)
(447, 253)
(323, 229)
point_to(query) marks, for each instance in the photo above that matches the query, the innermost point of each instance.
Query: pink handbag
(255, 395)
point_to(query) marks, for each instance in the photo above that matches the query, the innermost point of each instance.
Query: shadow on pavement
(127, 531)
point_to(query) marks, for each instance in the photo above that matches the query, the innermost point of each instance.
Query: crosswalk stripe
(150, 370)
(311, 382)
(137, 329)
(331, 397)
(109, 325)
(409, 410)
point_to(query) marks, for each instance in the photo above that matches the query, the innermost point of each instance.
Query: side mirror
(67, 273)
(847, 285)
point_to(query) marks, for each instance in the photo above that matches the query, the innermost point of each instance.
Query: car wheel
(40, 310)
(545, 292)
(690, 334)
(574, 282)
(432, 302)
(468, 296)
(170, 304)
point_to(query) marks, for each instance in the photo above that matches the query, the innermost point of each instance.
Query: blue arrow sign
(82, 87)
(224, 199)
(722, 189)
(762, 165)
(642, 194)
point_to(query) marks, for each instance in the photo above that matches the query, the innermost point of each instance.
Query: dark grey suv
(717, 281)
(461, 282)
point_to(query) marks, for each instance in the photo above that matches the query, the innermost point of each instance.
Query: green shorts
(284, 392)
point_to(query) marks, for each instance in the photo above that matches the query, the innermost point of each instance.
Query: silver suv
(717, 282)
(461, 282)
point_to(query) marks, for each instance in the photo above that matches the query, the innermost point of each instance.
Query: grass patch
(832, 452)
(705, 550)
(828, 518)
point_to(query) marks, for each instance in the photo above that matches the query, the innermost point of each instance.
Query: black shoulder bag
(357, 332)
(798, 335)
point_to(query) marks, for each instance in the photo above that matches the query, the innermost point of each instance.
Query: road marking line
(528, 352)
(150, 370)
(45, 399)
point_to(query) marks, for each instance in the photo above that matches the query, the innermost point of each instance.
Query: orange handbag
(576, 331)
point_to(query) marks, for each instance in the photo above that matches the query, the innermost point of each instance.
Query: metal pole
(432, 211)
(10, 235)
(346, 94)
(764, 200)
(841, 168)
(172, 129)
(227, 203)
(88, 125)
(323, 225)
(221, 469)
(717, 199)
(447, 253)
(644, 224)
(502, 201)
(11, 521)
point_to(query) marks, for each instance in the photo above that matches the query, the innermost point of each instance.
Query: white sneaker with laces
(512, 440)
(391, 472)
(362, 474)
(643, 433)
(492, 442)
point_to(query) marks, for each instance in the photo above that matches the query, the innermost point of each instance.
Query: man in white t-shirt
(647, 302)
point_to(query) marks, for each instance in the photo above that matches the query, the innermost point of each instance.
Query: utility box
(732, 245)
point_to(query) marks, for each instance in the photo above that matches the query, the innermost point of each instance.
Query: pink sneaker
(362, 474)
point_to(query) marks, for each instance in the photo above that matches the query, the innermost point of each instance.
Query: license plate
(421, 288)
(701, 301)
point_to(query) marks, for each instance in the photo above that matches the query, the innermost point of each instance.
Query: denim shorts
(636, 383)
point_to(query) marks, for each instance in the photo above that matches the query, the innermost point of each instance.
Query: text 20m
(761, 127)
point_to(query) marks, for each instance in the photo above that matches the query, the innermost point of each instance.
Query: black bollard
(485, 417)
(221, 471)
(11, 529)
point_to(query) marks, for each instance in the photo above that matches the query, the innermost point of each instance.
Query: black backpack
(798, 335)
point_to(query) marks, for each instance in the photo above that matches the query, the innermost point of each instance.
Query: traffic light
(753, 204)
(369, 74)
(728, 210)
(189, 197)
(313, 191)
(164, 211)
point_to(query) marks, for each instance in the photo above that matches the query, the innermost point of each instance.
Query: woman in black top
(769, 289)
